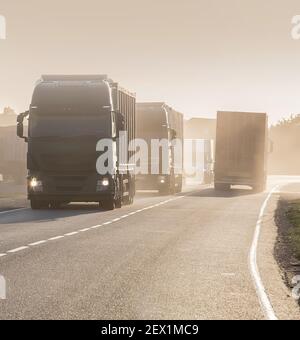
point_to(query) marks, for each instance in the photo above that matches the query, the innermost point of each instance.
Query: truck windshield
(152, 122)
(74, 126)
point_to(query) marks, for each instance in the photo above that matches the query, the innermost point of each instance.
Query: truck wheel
(128, 200)
(55, 205)
(108, 204)
(222, 187)
(37, 205)
(118, 203)
(179, 187)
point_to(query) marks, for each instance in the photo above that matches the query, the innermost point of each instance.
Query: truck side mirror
(20, 126)
(120, 122)
(20, 130)
(173, 134)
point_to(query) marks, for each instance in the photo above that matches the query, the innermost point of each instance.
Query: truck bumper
(151, 182)
(68, 188)
(82, 197)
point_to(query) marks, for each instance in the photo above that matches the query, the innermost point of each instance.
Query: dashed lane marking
(59, 237)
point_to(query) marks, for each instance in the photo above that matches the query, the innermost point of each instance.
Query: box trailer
(241, 150)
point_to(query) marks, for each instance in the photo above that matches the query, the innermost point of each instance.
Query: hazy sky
(199, 56)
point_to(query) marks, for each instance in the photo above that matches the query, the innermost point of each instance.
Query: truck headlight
(103, 184)
(162, 180)
(35, 184)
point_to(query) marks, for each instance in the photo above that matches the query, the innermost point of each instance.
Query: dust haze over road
(162, 113)
(182, 257)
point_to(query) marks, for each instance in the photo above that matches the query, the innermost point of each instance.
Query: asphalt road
(182, 257)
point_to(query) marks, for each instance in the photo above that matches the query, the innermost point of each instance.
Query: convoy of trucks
(69, 115)
(159, 121)
(241, 150)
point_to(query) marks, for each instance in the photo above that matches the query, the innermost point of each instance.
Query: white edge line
(84, 230)
(17, 249)
(12, 211)
(37, 243)
(56, 238)
(71, 234)
(260, 289)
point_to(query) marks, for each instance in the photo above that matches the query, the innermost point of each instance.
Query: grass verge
(293, 215)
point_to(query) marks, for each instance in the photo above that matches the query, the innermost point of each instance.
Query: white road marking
(96, 226)
(12, 211)
(55, 238)
(260, 289)
(85, 229)
(18, 249)
(72, 233)
(37, 243)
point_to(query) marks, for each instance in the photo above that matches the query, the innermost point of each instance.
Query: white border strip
(260, 289)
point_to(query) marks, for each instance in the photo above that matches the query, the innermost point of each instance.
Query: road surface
(182, 257)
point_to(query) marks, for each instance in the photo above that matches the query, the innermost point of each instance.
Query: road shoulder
(12, 197)
(272, 274)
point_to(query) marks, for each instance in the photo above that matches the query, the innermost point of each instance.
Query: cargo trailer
(241, 150)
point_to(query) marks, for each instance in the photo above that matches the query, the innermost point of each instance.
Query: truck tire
(38, 205)
(118, 203)
(179, 188)
(261, 187)
(128, 200)
(222, 187)
(108, 204)
(55, 205)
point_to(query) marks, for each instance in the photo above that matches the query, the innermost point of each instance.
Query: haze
(200, 56)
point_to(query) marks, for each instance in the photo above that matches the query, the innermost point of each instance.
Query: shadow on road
(223, 194)
(147, 194)
(36, 216)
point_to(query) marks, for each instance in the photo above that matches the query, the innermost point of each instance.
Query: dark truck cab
(68, 115)
(158, 121)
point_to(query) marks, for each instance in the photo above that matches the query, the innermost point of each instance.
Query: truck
(68, 116)
(12, 156)
(199, 161)
(241, 150)
(199, 149)
(158, 121)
